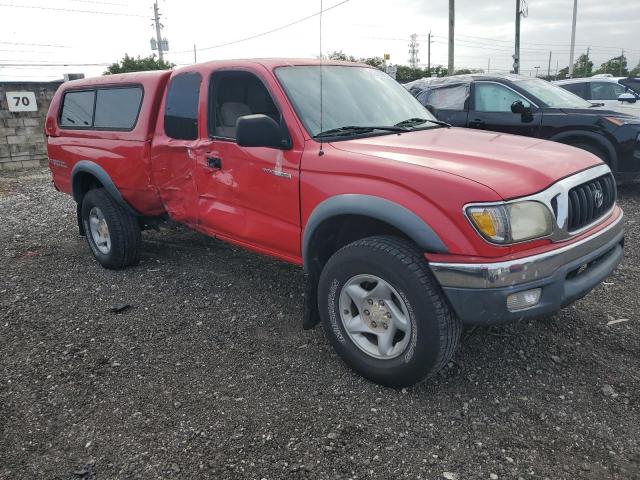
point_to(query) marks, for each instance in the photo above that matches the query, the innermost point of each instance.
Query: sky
(86, 35)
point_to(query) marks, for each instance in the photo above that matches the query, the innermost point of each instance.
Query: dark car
(534, 108)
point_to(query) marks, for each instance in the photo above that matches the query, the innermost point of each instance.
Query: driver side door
(491, 110)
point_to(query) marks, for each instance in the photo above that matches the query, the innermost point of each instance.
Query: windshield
(351, 96)
(552, 95)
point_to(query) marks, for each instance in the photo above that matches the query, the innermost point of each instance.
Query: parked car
(621, 94)
(534, 108)
(407, 229)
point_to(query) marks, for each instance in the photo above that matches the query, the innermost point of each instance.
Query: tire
(431, 330)
(120, 244)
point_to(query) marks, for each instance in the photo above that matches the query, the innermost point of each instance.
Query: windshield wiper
(412, 122)
(357, 129)
(596, 105)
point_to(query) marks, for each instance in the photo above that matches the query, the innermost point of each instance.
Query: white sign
(22, 102)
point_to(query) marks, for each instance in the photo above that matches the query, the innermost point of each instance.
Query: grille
(590, 201)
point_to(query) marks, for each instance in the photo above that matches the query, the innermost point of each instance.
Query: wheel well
(336, 232)
(82, 183)
(577, 139)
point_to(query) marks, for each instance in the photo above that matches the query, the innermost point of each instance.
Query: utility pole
(522, 10)
(195, 57)
(557, 66)
(489, 65)
(156, 19)
(573, 37)
(621, 59)
(549, 69)
(413, 51)
(429, 54)
(452, 25)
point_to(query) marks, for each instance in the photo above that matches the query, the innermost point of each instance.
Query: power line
(101, 3)
(72, 10)
(52, 64)
(262, 34)
(35, 44)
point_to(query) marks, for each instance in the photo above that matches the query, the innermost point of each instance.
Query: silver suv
(620, 94)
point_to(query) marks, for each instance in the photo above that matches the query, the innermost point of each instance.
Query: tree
(130, 64)
(615, 66)
(583, 67)
(636, 71)
(563, 73)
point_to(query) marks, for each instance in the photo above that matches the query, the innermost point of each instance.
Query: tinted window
(77, 109)
(606, 90)
(181, 108)
(493, 97)
(581, 89)
(117, 108)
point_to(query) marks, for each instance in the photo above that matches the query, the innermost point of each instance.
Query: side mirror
(260, 131)
(524, 111)
(627, 97)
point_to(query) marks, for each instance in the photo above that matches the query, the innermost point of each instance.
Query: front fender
(596, 138)
(374, 207)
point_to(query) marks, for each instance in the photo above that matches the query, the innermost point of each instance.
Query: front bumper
(478, 292)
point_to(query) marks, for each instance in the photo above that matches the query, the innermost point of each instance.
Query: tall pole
(489, 65)
(549, 69)
(156, 19)
(429, 55)
(621, 59)
(195, 56)
(452, 25)
(516, 56)
(573, 37)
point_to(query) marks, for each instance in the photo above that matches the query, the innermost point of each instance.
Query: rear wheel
(113, 234)
(384, 313)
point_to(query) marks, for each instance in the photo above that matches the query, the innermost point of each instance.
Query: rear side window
(449, 98)
(114, 108)
(77, 109)
(580, 89)
(181, 107)
(117, 108)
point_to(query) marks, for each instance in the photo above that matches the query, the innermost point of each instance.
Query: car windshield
(632, 83)
(552, 95)
(352, 96)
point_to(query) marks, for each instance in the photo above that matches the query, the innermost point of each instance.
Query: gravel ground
(209, 374)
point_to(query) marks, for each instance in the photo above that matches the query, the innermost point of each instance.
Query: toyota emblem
(598, 197)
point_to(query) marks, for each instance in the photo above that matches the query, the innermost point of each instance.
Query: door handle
(214, 163)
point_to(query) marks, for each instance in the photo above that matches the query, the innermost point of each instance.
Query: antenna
(321, 152)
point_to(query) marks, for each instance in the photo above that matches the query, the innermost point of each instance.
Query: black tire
(597, 151)
(124, 231)
(435, 330)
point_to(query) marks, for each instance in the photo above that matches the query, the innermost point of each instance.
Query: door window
(77, 109)
(181, 107)
(494, 97)
(233, 95)
(606, 90)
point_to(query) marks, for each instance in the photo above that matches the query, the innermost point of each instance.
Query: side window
(181, 107)
(77, 109)
(493, 97)
(448, 98)
(117, 108)
(580, 89)
(233, 95)
(606, 90)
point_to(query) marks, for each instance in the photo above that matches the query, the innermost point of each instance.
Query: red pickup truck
(407, 229)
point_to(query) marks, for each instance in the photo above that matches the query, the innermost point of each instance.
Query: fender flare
(595, 137)
(375, 207)
(87, 166)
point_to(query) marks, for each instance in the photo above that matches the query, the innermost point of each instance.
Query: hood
(511, 165)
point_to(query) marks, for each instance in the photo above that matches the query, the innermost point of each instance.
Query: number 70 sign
(22, 102)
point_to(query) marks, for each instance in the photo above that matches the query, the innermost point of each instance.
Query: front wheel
(384, 313)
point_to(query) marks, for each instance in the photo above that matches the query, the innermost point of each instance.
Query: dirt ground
(208, 374)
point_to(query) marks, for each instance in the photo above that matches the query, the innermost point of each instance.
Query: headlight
(512, 222)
